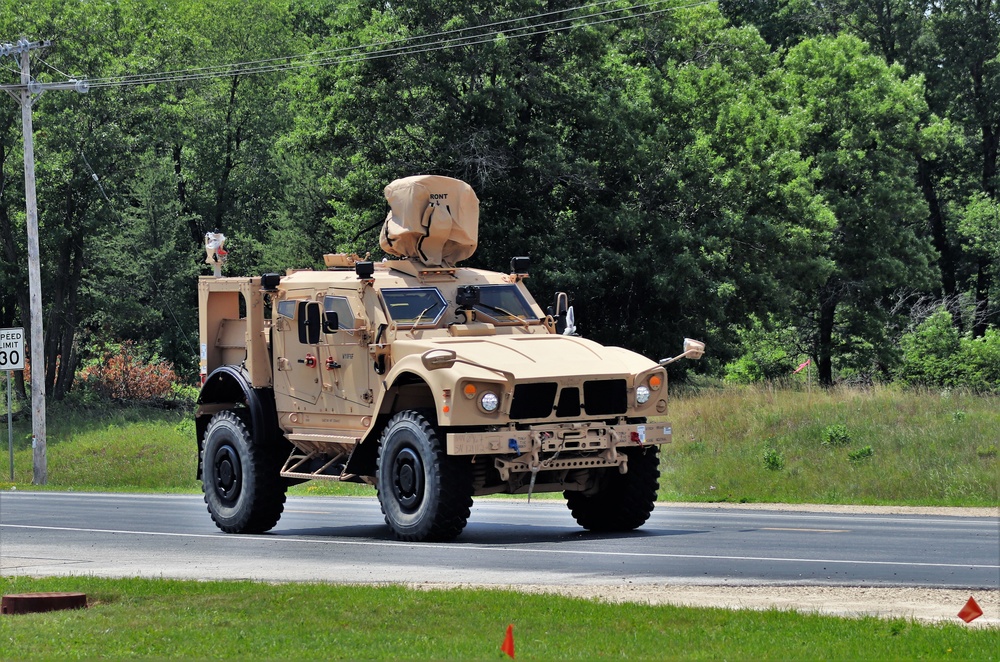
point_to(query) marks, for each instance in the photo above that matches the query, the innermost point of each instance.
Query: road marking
(779, 528)
(491, 548)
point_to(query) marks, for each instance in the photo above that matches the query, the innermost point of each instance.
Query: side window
(287, 309)
(339, 305)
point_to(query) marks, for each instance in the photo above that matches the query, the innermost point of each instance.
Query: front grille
(606, 396)
(533, 400)
(602, 397)
(569, 403)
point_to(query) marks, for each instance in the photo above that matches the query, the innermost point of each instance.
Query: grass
(843, 446)
(112, 449)
(246, 620)
(879, 446)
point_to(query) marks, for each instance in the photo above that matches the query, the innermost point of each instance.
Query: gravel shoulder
(846, 509)
(921, 604)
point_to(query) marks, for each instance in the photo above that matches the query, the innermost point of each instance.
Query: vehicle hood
(530, 357)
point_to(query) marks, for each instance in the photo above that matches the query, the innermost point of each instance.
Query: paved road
(506, 542)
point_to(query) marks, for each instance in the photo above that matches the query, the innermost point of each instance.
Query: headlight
(642, 395)
(489, 402)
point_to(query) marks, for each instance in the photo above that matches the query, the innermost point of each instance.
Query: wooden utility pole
(23, 94)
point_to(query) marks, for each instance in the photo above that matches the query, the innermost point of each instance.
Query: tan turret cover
(432, 219)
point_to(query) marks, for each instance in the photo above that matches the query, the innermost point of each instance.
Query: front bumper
(555, 447)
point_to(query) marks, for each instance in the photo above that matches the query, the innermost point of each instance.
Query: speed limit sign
(11, 349)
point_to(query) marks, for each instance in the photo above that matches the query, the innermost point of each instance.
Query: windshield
(504, 303)
(417, 306)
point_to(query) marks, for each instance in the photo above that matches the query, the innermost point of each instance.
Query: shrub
(768, 354)
(773, 459)
(121, 373)
(929, 351)
(836, 435)
(978, 365)
(861, 454)
(935, 354)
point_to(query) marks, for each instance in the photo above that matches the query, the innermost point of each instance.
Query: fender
(407, 370)
(231, 384)
(402, 369)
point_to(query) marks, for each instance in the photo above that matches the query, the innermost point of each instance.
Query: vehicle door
(346, 373)
(297, 350)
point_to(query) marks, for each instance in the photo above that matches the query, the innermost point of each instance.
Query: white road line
(664, 508)
(491, 548)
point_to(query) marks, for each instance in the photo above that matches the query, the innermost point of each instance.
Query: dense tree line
(822, 171)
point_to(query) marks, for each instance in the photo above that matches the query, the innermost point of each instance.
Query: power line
(149, 272)
(342, 49)
(408, 47)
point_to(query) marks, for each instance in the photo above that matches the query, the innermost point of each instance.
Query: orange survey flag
(508, 642)
(970, 612)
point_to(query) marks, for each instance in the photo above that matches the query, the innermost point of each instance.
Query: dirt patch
(846, 509)
(922, 604)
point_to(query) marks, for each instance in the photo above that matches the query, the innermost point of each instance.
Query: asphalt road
(506, 542)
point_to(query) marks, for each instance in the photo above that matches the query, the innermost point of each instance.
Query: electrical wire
(61, 73)
(363, 46)
(149, 272)
(358, 54)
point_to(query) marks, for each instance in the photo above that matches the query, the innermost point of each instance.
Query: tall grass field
(842, 446)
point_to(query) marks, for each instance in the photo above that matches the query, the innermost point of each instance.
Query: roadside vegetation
(880, 445)
(731, 443)
(247, 621)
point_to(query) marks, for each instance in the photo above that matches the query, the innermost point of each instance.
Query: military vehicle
(433, 382)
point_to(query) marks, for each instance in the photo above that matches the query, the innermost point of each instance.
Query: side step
(315, 466)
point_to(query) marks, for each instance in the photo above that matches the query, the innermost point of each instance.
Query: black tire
(241, 481)
(425, 493)
(623, 502)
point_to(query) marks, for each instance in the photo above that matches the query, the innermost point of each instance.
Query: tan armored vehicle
(433, 382)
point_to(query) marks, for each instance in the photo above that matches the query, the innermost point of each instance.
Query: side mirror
(436, 359)
(309, 322)
(331, 323)
(693, 349)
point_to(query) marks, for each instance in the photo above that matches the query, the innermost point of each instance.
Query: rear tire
(241, 481)
(425, 493)
(622, 502)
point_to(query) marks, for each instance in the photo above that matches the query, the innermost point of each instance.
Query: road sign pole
(10, 429)
(27, 88)
(11, 359)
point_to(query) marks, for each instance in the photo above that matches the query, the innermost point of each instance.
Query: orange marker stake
(508, 642)
(971, 611)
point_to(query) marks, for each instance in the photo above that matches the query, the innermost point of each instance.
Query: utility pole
(23, 95)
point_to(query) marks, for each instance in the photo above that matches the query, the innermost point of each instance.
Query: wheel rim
(408, 479)
(227, 475)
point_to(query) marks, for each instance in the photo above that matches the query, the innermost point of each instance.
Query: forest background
(784, 179)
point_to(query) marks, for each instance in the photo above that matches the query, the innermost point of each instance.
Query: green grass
(880, 446)
(114, 448)
(246, 620)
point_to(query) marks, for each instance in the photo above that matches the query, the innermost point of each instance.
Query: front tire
(622, 502)
(425, 493)
(241, 481)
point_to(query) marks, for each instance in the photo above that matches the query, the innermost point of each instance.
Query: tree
(863, 118)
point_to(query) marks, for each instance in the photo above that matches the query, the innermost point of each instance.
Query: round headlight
(642, 395)
(489, 401)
